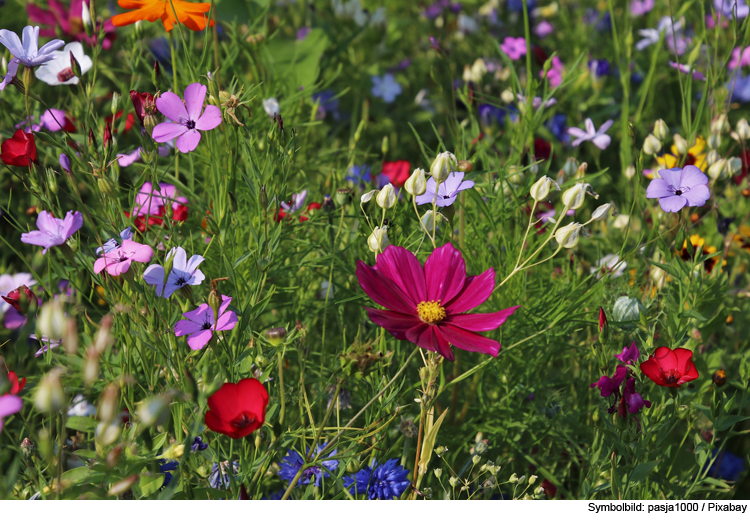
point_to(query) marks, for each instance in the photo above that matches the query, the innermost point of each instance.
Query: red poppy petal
(651, 369)
(445, 274)
(429, 338)
(254, 398)
(225, 402)
(382, 290)
(402, 267)
(396, 323)
(481, 322)
(215, 424)
(666, 358)
(683, 356)
(477, 289)
(470, 341)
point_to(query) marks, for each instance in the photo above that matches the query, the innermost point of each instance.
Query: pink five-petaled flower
(513, 47)
(597, 137)
(426, 305)
(678, 188)
(118, 261)
(187, 119)
(200, 324)
(53, 231)
(9, 404)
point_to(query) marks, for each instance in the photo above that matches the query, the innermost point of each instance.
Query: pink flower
(53, 231)
(513, 47)
(200, 323)
(119, 260)
(70, 22)
(9, 404)
(597, 137)
(684, 68)
(555, 72)
(543, 29)
(426, 305)
(740, 58)
(186, 119)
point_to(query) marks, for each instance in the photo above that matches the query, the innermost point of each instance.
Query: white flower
(743, 129)
(387, 198)
(85, 15)
(378, 240)
(271, 106)
(367, 196)
(610, 264)
(59, 70)
(573, 197)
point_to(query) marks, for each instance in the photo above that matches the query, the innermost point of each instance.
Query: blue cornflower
(293, 461)
(112, 244)
(219, 477)
(558, 125)
(198, 444)
(165, 467)
(517, 5)
(727, 466)
(599, 67)
(359, 175)
(490, 115)
(386, 87)
(384, 482)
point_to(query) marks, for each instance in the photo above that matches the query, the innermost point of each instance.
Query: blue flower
(490, 114)
(740, 89)
(165, 467)
(517, 5)
(112, 244)
(359, 175)
(384, 482)
(327, 104)
(184, 272)
(386, 87)
(198, 444)
(727, 466)
(558, 125)
(219, 477)
(599, 67)
(293, 461)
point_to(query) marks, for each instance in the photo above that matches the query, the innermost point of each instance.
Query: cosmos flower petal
(470, 341)
(395, 323)
(402, 267)
(481, 322)
(445, 274)
(477, 289)
(430, 338)
(382, 290)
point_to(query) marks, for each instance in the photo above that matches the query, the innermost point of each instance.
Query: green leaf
(641, 471)
(297, 61)
(148, 484)
(728, 421)
(81, 423)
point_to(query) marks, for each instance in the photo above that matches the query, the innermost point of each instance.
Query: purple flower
(52, 231)
(536, 103)
(543, 29)
(46, 342)
(200, 324)
(641, 7)
(739, 89)
(632, 399)
(9, 404)
(678, 188)
(597, 137)
(183, 273)
(740, 58)
(118, 261)
(684, 68)
(446, 192)
(12, 318)
(187, 119)
(53, 120)
(65, 163)
(599, 67)
(558, 126)
(291, 463)
(379, 482)
(219, 477)
(198, 444)
(298, 201)
(112, 244)
(629, 354)
(729, 7)
(302, 33)
(28, 52)
(513, 47)
(608, 386)
(386, 87)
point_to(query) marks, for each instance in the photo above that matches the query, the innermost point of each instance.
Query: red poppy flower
(20, 150)
(670, 368)
(16, 385)
(397, 171)
(426, 305)
(129, 121)
(237, 409)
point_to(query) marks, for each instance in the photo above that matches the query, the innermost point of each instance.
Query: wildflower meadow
(375, 249)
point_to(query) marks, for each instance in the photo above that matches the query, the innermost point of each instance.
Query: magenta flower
(513, 47)
(678, 188)
(52, 231)
(641, 7)
(554, 75)
(684, 68)
(608, 386)
(70, 21)
(543, 29)
(12, 318)
(9, 404)
(200, 323)
(118, 261)
(629, 354)
(597, 137)
(740, 58)
(186, 119)
(426, 305)
(632, 399)
(153, 201)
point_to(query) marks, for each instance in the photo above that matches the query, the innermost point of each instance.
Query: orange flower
(190, 14)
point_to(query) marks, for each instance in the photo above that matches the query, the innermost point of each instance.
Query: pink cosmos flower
(426, 305)
(186, 119)
(119, 260)
(200, 324)
(9, 404)
(740, 58)
(53, 231)
(513, 47)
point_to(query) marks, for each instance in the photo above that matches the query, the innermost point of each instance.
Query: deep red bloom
(110, 120)
(397, 171)
(314, 206)
(602, 319)
(426, 305)
(237, 409)
(549, 489)
(21, 299)
(107, 136)
(16, 385)
(670, 368)
(20, 150)
(144, 104)
(542, 149)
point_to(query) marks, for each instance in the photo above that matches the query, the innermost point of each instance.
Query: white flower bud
(573, 197)
(712, 157)
(154, 411)
(367, 196)
(630, 172)
(85, 15)
(417, 183)
(476, 459)
(567, 236)
(271, 106)
(651, 145)
(442, 166)
(680, 144)
(718, 169)
(521, 479)
(428, 221)
(532, 480)
(453, 481)
(714, 141)
(378, 240)
(513, 478)
(50, 395)
(601, 211)
(720, 124)
(570, 168)
(507, 96)
(621, 221)
(51, 322)
(660, 130)
(386, 198)
(107, 433)
(438, 472)
(734, 166)
(743, 129)
(542, 187)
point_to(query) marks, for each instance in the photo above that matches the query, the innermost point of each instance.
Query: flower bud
(627, 309)
(107, 433)
(734, 166)
(384, 146)
(86, 18)
(386, 198)
(154, 411)
(214, 297)
(712, 157)
(416, 185)
(107, 187)
(120, 487)
(65, 163)
(719, 378)
(513, 478)
(28, 448)
(109, 404)
(75, 67)
(718, 169)
(104, 336)
(263, 198)
(743, 129)
(276, 336)
(521, 479)
(630, 172)
(378, 240)
(680, 144)
(51, 181)
(442, 166)
(342, 196)
(465, 165)
(660, 130)
(430, 221)
(50, 395)
(453, 481)
(542, 187)
(115, 103)
(581, 172)
(91, 367)
(601, 211)
(366, 197)
(476, 459)
(573, 197)
(567, 236)
(51, 322)
(720, 124)
(651, 145)
(532, 480)
(440, 451)
(570, 168)
(438, 472)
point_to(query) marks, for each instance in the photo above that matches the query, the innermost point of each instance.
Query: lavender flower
(728, 8)
(298, 201)
(293, 461)
(379, 482)
(678, 188)
(200, 324)
(27, 52)
(447, 192)
(186, 119)
(52, 231)
(219, 478)
(597, 137)
(386, 87)
(641, 7)
(513, 47)
(183, 273)
(684, 68)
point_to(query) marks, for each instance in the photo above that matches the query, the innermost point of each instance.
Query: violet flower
(447, 192)
(678, 188)
(200, 324)
(118, 261)
(740, 58)
(46, 342)
(543, 29)
(632, 399)
(112, 244)
(385, 87)
(184, 272)
(729, 8)
(28, 52)
(554, 75)
(298, 201)
(684, 68)
(629, 354)
(597, 137)
(607, 386)
(187, 119)
(641, 7)
(513, 47)
(52, 231)
(9, 404)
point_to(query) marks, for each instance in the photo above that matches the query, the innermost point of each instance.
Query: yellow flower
(696, 156)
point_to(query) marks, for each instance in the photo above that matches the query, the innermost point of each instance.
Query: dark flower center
(190, 124)
(180, 282)
(671, 376)
(65, 75)
(206, 325)
(446, 196)
(242, 421)
(678, 192)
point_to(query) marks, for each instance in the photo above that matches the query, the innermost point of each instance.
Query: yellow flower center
(431, 312)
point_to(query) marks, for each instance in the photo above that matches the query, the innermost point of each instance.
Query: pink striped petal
(445, 274)
(481, 322)
(397, 324)
(430, 338)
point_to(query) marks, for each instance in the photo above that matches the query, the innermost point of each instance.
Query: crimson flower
(426, 305)
(670, 368)
(19, 150)
(22, 298)
(16, 385)
(396, 171)
(237, 409)
(602, 319)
